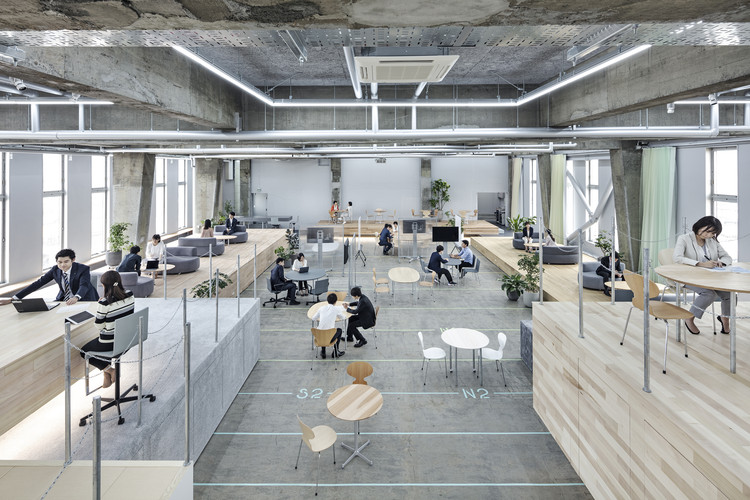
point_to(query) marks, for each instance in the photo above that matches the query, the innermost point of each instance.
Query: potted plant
(529, 264)
(513, 284)
(518, 222)
(117, 243)
(201, 290)
(440, 195)
(285, 253)
(604, 242)
(292, 239)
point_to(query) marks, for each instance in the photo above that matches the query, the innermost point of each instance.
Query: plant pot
(512, 295)
(529, 297)
(113, 258)
(287, 263)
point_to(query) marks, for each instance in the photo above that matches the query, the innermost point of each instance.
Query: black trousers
(462, 265)
(352, 331)
(96, 346)
(443, 272)
(337, 338)
(604, 273)
(290, 288)
(387, 247)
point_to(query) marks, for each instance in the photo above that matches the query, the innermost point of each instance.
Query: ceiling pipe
(349, 56)
(419, 90)
(374, 90)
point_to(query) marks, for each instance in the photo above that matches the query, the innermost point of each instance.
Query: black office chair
(126, 336)
(321, 287)
(275, 300)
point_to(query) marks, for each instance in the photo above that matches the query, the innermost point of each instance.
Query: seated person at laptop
(280, 283)
(155, 248)
(74, 280)
(298, 264)
(116, 303)
(385, 239)
(436, 261)
(326, 318)
(132, 262)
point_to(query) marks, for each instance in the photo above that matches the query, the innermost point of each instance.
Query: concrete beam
(154, 79)
(132, 192)
(657, 76)
(627, 170)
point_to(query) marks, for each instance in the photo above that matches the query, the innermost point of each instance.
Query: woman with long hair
(116, 302)
(208, 231)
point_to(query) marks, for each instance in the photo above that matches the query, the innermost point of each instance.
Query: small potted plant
(285, 253)
(604, 242)
(513, 284)
(529, 264)
(201, 290)
(117, 243)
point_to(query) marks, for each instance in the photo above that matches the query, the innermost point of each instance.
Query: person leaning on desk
(702, 249)
(74, 280)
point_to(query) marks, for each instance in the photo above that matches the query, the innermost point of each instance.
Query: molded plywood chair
(379, 288)
(656, 308)
(428, 282)
(414, 213)
(431, 353)
(665, 258)
(379, 281)
(341, 296)
(497, 355)
(359, 370)
(324, 338)
(318, 439)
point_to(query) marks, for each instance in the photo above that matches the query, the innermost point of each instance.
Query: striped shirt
(107, 312)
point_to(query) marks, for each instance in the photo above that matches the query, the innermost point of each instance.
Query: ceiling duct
(403, 65)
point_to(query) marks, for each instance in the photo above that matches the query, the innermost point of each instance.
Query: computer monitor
(346, 251)
(312, 234)
(406, 227)
(444, 233)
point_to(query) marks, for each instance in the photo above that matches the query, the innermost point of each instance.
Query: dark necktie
(66, 286)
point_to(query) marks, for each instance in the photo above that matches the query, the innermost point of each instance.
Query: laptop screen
(304, 269)
(152, 264)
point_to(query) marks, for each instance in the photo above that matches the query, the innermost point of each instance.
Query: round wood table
(379, 213)
(156, 271)
(402, 275)
(719, 279)
(354, 403)
(316, 307)
(465, 338)
(225, 237)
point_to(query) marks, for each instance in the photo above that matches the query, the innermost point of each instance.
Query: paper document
(730, 269)
(69, 310)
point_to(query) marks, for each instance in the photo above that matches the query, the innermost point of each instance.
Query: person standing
(466, 256)
(436, 264)
(132, 262)
(279, 283)
(326, 318)
(231, 224)
(386, 239)
(363, 314)
(350, 211)
(74, 280)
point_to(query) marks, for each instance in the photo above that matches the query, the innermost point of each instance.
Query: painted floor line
(307, 330)
(506, 393)
(390, 485)
(368, 360)
(265, 393)
(469, 433)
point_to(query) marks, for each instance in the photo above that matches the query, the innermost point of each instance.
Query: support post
(184, 307)
(541, 260)
(210, 268)
(68, 450)
(216, 332)
(255, 270)
(164, 274)
(612, 264)
(140, 368)
(97, 456)
(580, 282)
(646, 324)
(238, 285)
(187, 392)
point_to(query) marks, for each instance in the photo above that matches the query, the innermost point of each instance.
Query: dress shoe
(293, 303)
(726, 332)
(360, 343)
(323, 353)
(350, 339)
(338, 354)
(691, 331)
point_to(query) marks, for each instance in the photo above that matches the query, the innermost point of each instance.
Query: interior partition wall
(469, 176)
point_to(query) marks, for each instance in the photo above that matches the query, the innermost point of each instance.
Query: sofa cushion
(217, 247)
(560, 255)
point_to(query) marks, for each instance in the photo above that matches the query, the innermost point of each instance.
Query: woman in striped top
(115, 303)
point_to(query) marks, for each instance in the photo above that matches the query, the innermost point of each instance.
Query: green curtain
(515, 194)
(658, 202)
(556, 222)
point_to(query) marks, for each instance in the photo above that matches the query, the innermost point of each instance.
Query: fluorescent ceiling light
(701, 102)
(404, 103)
(223, 74)
(54, 102)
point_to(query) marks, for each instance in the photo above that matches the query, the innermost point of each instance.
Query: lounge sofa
(518, 240)
(240, 233)
(217, 246)
(591, 280)
(141, 286)
(560, 255)
(185, 259)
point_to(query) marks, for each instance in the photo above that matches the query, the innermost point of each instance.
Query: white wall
(691, 187)
(78, 199)
(469, 176)
(393, 185)
(294, 187)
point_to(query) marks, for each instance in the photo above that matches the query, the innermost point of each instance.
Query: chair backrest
(429, 278)
(307, 433)
(340, 295)
(377, 310)
(421, 340)
(424, 266)
(501, 340)
(665, 256)
(635, 283)
(474, 269)
(359, 370)
(321, 286)
(126, 331)
(413, 213)
(270, 287)
(323, 337)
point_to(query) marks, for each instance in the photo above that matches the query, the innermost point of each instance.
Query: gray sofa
(591, 280)
(217, 246)
(185, 259)
(141, 286)
(518, 239)
(240, 233)
(560, 255)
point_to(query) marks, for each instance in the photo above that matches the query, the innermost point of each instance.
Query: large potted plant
(117, 243)
(529, 264)
(285, 253)
(513, 285)
(440, 195)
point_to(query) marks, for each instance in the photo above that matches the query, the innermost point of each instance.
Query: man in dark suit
(278, 282)
(231, 224)
(132, 262)
(74, 280)
(386, 240)
(435, 264)
(363, 314)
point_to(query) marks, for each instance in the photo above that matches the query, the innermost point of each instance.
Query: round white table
(465, 338)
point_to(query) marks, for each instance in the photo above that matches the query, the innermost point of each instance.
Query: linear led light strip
(535, 94)
(51, 102)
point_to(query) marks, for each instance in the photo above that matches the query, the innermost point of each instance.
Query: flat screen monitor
(346, 251)
(406, 227)
(444, 233)
(312, 234)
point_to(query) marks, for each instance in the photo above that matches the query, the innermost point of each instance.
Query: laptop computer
(33, 305)
(304, 269)
(152, 264)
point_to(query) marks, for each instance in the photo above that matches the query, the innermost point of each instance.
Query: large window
(534, 186)
(723, 196)
(160, 195)
(182, 193)
(4, 158)
(53, 207)
(592, 194)
(99, 205)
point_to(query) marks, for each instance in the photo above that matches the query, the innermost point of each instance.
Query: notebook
(33, 305)
(304, 269)
(152, 264)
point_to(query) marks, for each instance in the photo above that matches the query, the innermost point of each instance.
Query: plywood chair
(431, 353)
(379, 287)
(324, 338)
(318, 439)
(428, 282)
(359, 370)
(340, 296)
(379, 281)
(660, 310)
(414, 213)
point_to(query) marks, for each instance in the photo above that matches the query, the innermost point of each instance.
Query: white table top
(464, 338)
(403, 275)
(327, 247)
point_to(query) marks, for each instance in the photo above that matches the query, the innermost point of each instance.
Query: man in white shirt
(326, 318)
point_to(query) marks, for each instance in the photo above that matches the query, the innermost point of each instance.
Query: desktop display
(444, 233)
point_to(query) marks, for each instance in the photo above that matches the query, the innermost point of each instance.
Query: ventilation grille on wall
(404, 69)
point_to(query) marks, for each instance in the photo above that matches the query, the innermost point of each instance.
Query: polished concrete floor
(434, 440)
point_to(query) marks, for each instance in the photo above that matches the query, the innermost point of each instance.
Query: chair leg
(445, 365)
(423, 360)
(502, 370)
(666, 344)
(317, 478)
(334, 453)
(713, 315)
(626, 326)
(425, 373)
(497, 365)
(298, 453)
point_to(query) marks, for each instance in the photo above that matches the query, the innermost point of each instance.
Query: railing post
(210, 268)
(97, 457)
(184, 306)
(580, 284)
(646, 324)
(66, 346)
(612, 266)
(238, 285)
(255, 270)
(140, 367)
(541, 260)
(216, 333)
(164, 275)
(187, 392)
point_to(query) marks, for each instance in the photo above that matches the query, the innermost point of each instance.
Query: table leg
(481, 370)
(732, 332)
(450, 358)
(456, 367)
(356, 450)
(678, 289)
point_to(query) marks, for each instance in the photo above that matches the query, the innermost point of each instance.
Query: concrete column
(208, 185)
(336, 182)
(545, 182)
(243, 204)
(626, 181)
(133, 187)
(425, 183)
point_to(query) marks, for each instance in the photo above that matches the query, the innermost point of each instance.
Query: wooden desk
(402, 275)
(355, 402)
(32, 359)
(725, 281)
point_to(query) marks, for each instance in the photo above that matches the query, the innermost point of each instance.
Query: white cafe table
(465, 338)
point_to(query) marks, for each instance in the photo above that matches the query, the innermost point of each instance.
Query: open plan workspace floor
(438, 440)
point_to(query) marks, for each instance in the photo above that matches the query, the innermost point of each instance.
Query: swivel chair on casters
(275, 300)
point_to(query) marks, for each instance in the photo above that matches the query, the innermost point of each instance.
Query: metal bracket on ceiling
(596, 42)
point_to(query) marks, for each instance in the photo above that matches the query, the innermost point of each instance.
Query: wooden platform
(688, 438)
(370, 227)
(560, 280)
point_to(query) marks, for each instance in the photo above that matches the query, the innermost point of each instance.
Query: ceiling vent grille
(404, 69)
